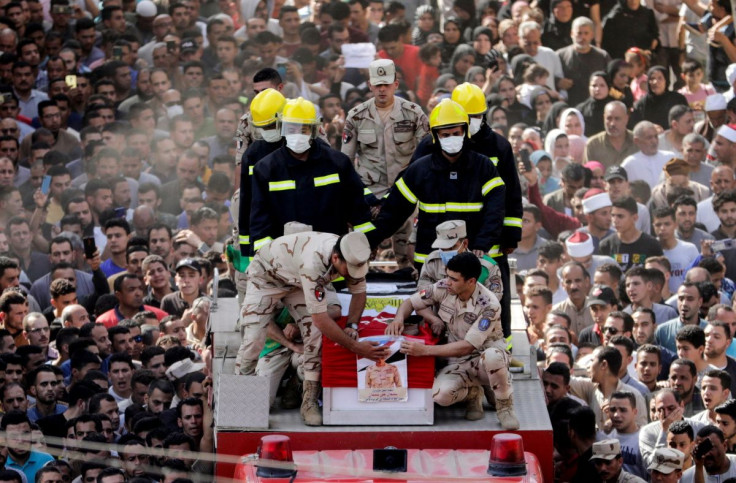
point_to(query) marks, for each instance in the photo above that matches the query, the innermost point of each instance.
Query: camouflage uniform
(383, 151)
(382, 377)
(435, 270)
(293, 270)
(477, 321)
(244, 137)
(274, 365)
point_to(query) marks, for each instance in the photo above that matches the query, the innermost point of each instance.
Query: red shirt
(113, 316)
(409, 63)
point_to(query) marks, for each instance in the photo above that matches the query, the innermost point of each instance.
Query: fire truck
(359, 442)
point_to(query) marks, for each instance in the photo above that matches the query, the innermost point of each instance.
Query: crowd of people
(583, 151)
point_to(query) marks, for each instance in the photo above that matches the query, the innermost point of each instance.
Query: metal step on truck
(408, 440)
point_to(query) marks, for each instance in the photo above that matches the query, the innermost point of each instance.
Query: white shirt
(548, 59)
(707, 215)
(680, 257)
(647, 168)
(688, 476)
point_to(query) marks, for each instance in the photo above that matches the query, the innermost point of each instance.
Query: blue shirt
(109, 268)
(665, 334)
(36, 461)
(34, 414)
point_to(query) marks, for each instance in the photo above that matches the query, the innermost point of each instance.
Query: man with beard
(724, 205)
(622, 410)
(28, 97)
(683, 376)
(718, 465)
(608, 462)
(686, 213)
(581, 59)
(21, 456)
(726, 422)
(43, 387)
(717, 341)
(689, 300)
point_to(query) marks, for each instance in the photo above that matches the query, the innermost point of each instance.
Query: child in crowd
(639, 61)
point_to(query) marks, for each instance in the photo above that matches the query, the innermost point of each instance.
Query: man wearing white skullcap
(724, 145)
(715, 111)
(597, 213)
(580, 249)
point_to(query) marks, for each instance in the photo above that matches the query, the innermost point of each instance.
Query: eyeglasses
(611, 330)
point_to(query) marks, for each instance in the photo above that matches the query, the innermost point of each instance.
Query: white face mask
(298, 142)
(452, 144)
(475, 124)
(271, 135)
(175, 110)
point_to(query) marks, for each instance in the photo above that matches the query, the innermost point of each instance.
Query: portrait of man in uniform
(382, 376)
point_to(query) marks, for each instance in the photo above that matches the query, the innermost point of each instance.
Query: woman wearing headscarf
(553, 116)
(592, 108)
(618, 72)
(541, 101)
(426, 23)
(497, 115)
(476, 75)
(482, 43)
(516, 111)
(656, 104)
(451, 37)
(461, 62)
(519, 64)
(572, 122)
(465, 11)
(558, 146)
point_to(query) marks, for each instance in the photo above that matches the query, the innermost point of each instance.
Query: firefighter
(296, 271)
(452, 183)
(452, 238)
(475, 349)
(382, 133)
(265, 110)
(498, 150)
(305, 180)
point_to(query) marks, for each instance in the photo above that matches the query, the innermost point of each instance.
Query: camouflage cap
(382, 71)
(295, 227)
(448, 233)
(666, 460)
(607, 449)
(356, 251)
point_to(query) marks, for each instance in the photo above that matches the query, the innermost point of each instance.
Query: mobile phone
(702, 448)
(525, 156)
(120, 212)
(281, 68)
(721, 245)
(90, 247)
(71, 81)
(171, 45)
(117, 53)
(46, 184)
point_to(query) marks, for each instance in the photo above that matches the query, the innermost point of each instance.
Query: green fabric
(282, 320)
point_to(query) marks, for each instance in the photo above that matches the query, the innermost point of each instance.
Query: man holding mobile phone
(710, 455)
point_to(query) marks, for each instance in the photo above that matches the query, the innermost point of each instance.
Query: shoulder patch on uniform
(346, 136)
(319, 293)
(441, 284)
(484, 324)
(425, 293)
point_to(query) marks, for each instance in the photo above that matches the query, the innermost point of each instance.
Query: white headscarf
(566, 113)
(549, 141)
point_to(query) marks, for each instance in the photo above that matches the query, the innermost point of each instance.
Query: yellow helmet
(266, 107)
(299, 111)
(471, 97)
(448, 113)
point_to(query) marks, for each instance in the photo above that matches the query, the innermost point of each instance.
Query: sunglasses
(610, 330)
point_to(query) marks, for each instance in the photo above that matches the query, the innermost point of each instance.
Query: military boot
(505, 413)
(311, 413)
(474, 404)
(292, 397)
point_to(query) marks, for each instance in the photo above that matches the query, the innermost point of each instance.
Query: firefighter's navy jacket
(498, 150)
(324, 191)
(469, 189)
(256, 151)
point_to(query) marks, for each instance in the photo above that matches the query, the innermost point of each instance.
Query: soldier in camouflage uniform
(383, 133)
(475, 349)
(297, 271)
(382, 376)
(451, 240)
(609, 462)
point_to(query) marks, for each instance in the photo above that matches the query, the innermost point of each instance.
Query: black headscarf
(656, 108)
(550, 122)
(592, 109)
(624, 95)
